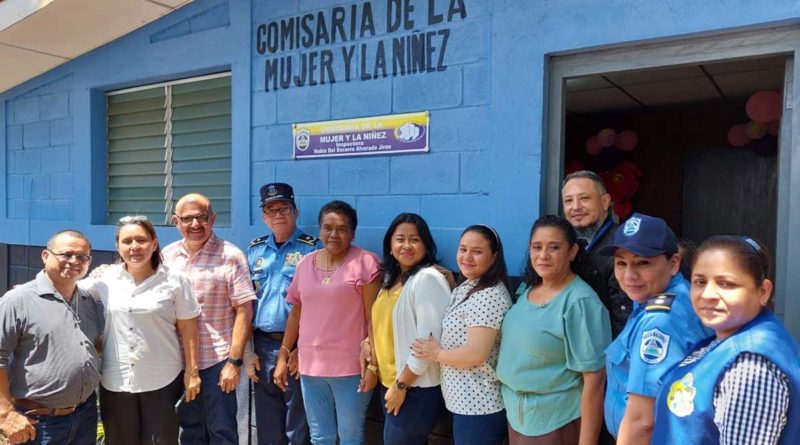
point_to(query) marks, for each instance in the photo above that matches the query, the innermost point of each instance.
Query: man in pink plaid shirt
(220, 279)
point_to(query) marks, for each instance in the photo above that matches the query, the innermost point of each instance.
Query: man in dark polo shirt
(50, 333)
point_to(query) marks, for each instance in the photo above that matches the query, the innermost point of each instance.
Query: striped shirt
(751, 400)
(220, 281)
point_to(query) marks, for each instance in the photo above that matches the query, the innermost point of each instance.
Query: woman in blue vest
(660, 331)
(741, 386)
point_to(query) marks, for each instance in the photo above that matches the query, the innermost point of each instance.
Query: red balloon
(764, 106)
(737, 136)
(593, 146)
(774, 127)
(627, 140)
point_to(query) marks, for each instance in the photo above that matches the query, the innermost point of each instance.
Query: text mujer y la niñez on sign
(411, 53)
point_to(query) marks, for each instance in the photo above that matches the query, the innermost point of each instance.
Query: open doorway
(681, 96)
(660, 135)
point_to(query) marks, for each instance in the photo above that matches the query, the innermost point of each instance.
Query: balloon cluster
(622, 182)
(621, 176)
(764, 110)
(607, 138)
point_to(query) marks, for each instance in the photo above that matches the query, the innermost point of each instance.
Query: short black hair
(599, 184)
(341, 208)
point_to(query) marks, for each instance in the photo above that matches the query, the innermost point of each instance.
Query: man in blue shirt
(280, 417)
(660, 331)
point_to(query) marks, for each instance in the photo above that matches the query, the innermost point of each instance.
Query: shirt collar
(45, 286)
(209, 246)
(292, 239)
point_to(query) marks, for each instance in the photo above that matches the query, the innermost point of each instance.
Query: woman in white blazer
(410, 305)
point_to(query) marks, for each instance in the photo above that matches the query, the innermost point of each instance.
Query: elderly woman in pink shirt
(332, 294)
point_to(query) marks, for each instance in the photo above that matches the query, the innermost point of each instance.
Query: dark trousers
(416, 419)
(280, 416)
(483, 429)
(568, 434)
(211, 417)
(141, 418)
(77, 428)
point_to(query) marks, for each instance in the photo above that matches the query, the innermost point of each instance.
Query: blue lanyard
(603, 229)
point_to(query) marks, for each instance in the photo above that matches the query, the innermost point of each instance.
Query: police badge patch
(632, 226)
(654, 346)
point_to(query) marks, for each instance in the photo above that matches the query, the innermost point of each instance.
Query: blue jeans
(77, 428)
(335, 407)
(280, 416)
(484, 429)
(211, 417)
(416, 419)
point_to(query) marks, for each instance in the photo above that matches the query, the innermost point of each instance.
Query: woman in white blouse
(147, 306)
(410, 304)
(470, 340)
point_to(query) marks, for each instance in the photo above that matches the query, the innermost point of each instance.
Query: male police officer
(660, 331)
(280, 417)
(586, 204)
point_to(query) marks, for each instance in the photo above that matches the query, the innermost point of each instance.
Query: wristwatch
(235, 362)
(400, 385)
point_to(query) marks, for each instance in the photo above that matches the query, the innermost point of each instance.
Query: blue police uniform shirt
(685, 408)
(654, 339)
(272, 270)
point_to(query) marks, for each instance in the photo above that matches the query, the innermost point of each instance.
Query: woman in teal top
(551, 360)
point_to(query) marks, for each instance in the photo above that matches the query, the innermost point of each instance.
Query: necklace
(328, 270)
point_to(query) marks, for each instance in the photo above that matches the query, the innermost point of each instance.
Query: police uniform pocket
(616, 354)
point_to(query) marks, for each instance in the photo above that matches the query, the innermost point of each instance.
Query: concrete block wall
(449, 185)
(38, 151)
(486, 110)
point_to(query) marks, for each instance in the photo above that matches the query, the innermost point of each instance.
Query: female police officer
(660, 331)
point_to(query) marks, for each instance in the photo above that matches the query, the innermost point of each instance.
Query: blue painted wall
(486, 112)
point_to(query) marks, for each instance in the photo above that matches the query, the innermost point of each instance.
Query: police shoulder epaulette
(259, 240)
(660, 302)
(307, 239)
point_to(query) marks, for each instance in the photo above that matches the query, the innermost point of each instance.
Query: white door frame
(781, 40)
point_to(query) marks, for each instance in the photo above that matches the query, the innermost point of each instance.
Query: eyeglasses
(188, 219)
(282, 210)
(66, 256)
(132, 219)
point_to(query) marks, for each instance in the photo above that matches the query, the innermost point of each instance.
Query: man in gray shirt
(50, 334)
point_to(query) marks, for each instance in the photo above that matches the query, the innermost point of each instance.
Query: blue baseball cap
(276, 191)
(643, 235)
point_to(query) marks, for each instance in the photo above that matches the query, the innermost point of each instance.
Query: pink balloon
(593, 147)
(627, 140)
(737, 136)
(606, 137)
(755, 130)
(774, 127)
(764, 106)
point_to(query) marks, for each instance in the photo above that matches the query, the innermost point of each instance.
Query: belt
(277, 336)
(34, 409)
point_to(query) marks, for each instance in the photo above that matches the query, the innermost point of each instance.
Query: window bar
(168, 191)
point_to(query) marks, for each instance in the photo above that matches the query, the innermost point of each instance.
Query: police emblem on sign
(654, 346)
(631, 226)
